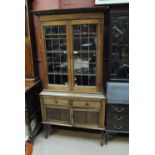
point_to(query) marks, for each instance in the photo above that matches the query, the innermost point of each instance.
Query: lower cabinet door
(58, 114)
(86, 118)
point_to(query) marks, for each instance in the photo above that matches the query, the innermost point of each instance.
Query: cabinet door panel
(85, 117)
(58, 115)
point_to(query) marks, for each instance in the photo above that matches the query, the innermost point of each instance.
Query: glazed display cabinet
(117, 87)
(71, 47)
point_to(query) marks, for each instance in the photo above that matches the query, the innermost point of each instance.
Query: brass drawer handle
(55, 101)
(121, 110)
(118, 118)
(87, 103)
(118, 127)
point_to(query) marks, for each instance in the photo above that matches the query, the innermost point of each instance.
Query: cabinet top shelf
(73, 94)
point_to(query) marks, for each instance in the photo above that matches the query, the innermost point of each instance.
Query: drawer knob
(56, 101)
(118, 127)
(118, 118)
(119, 110)
(87, 103)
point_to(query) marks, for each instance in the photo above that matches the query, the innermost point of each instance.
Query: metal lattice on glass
(56, 54)
(85, 51)
(120, 48)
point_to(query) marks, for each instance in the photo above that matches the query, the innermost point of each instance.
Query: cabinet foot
(103, 138)
(47, 130)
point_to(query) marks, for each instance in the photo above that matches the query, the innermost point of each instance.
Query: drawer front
(118, 108)
(117, 118)
(87, 104)
(56, 102)
(118, 127)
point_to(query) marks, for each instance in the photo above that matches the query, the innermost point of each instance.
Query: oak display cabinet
(71, 47)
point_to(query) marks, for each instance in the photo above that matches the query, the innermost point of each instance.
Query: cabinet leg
(30, 133)
(47, 130)
(103, 138)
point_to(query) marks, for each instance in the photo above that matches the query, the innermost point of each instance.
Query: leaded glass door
(56, 55)
(86, 51)
(72, 53)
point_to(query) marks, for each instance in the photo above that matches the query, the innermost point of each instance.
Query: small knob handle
(56, 101)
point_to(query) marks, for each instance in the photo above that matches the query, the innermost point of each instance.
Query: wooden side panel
(36, 28)
(29, 71)
(102, 114)
(31, 68)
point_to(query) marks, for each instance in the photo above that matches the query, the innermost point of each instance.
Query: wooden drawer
(118, 127)
(118, 108)
(56, 102)
(117, 118)
(87, 104)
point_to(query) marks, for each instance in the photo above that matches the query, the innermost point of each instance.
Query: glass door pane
(85, 51)
(56, 54)
(120, 47)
